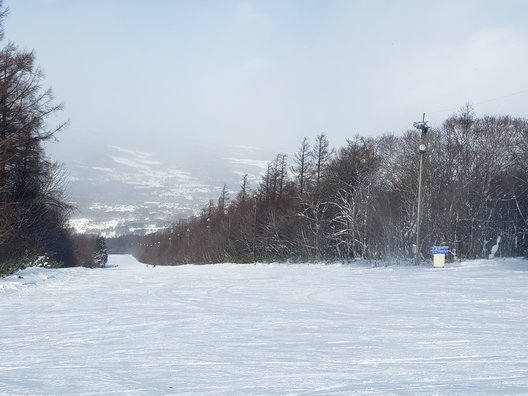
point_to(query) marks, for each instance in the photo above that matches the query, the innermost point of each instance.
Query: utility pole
(254, 227)
(422, 148)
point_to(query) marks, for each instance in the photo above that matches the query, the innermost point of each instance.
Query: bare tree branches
(360, 202)
(33, 215)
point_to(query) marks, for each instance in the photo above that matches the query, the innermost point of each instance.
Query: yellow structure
(439, 260)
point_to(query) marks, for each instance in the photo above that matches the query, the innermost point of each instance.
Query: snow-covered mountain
(120, 189)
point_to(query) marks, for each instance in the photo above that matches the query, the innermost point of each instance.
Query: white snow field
(273, 329)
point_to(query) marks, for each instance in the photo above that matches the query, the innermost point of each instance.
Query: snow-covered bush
(10, 267)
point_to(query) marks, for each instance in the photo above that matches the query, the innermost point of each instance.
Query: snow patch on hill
(102, 181)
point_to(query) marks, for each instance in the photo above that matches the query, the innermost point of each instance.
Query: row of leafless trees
(32, 211)
(360, 201)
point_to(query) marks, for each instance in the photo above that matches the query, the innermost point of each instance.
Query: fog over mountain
(125, 188)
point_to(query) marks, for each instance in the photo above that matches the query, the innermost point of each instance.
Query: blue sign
(439, 249)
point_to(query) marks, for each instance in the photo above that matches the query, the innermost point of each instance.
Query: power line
(481, 102)
(503, 97)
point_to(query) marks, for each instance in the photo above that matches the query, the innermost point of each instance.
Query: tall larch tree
(32, 210)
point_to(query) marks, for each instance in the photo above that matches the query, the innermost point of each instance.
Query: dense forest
(360, 201)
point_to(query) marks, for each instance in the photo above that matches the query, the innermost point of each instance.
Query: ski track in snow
(272, 329)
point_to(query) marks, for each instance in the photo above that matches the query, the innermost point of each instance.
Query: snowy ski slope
(266, 329)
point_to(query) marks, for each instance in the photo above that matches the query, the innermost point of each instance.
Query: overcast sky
(268, 73)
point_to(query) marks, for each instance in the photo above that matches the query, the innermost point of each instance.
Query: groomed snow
(266, 329)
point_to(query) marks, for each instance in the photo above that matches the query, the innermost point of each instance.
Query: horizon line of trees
(360, 201)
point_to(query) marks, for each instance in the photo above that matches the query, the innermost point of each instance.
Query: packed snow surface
(266, 329)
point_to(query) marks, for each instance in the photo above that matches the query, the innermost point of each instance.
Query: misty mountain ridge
(119, 189)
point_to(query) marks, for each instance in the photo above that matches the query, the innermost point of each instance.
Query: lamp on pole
(422, 148)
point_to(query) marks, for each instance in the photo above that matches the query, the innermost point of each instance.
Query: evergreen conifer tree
(101, 252)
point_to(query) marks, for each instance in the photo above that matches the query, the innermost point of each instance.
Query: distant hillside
(119, 189)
